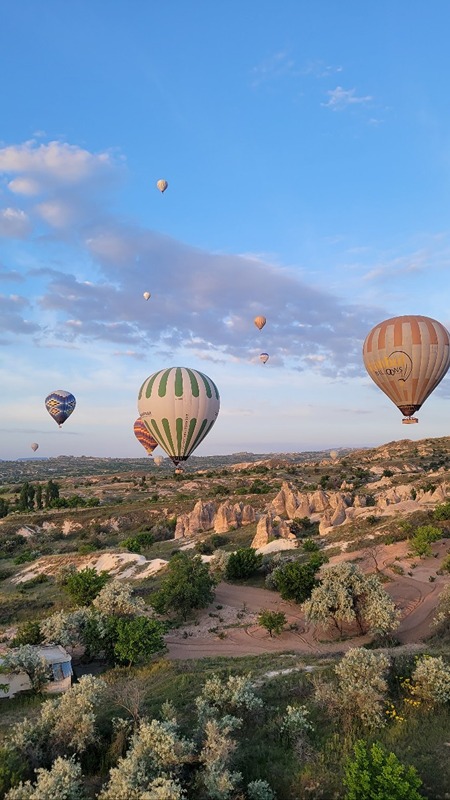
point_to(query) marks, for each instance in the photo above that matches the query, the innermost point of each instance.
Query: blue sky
(307, 150)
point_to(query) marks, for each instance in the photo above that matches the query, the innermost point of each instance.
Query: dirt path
(415, 596)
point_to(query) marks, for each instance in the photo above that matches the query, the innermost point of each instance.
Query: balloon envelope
(34, 446)
(60, 405)
(333, 454)
(162, 185)
(179, 407)
(264, 357)
(407, 357)
(146, 295)
(158, 460)
(260, 322)
(144, 437)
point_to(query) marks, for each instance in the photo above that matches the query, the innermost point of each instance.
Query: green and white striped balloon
(179, 406)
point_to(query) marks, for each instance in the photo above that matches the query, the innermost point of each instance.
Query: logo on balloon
(400, 365)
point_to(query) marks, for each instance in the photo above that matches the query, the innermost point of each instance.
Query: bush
(84, 586)
(442, 512)
(424, 536)
(374, 774)
(243, 563)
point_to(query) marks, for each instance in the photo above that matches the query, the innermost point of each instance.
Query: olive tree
(27, 659)
(430, 681)
(156, 751)
(345, 594)
(358, 695)
(117, 598)
(65, 725)
(61, 782)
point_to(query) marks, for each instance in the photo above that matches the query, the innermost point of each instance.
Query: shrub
(243, 563)
(374, 774)
(424, 536)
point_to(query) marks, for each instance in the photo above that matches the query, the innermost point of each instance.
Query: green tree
(51, 493)
(4, 508)
(243, 563)
(188, 585)
(12, 769)
(272, 621)
(26, 497)
(84, 586)
(39, 503)
(138, 639)
(423, 538)
(296, 580)
(374, 774)
(28, 633)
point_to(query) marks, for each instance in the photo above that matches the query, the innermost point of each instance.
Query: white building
(60, 670)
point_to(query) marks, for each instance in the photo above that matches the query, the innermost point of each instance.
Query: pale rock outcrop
(325, 523)
(201, 518)
(263, 531)
(227, 517)
(69, 526)
(340, 514)
(248, 514)
(319, 501)
(286, 502)
(270, 527)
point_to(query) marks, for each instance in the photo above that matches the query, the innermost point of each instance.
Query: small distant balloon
(158, 460)
(60, 405)
(260, 322)
(333, 454)
(264, 357)
(162, 185)
(146, 295)
(34, 446)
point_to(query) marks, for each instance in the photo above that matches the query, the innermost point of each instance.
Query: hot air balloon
(144, 437)
(333, 454)
(264, 357)
(179, 407)
(60, 405)
(158, 460)
(260, 322)
(407, 357)
(162, 185)
(34, 447)
(146, 295)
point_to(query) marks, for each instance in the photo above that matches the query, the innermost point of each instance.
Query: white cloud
(26, 186)
(57, 161)
(14, 223)
(56, 213)
(340, 99)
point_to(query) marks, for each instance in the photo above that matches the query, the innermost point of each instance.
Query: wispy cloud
(14, 223)
(202, 302)
(276, 66)
(320, 69)
(340, 99)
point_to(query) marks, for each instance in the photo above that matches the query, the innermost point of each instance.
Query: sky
(307, 151)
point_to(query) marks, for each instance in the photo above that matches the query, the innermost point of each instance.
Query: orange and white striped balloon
(407, 357)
